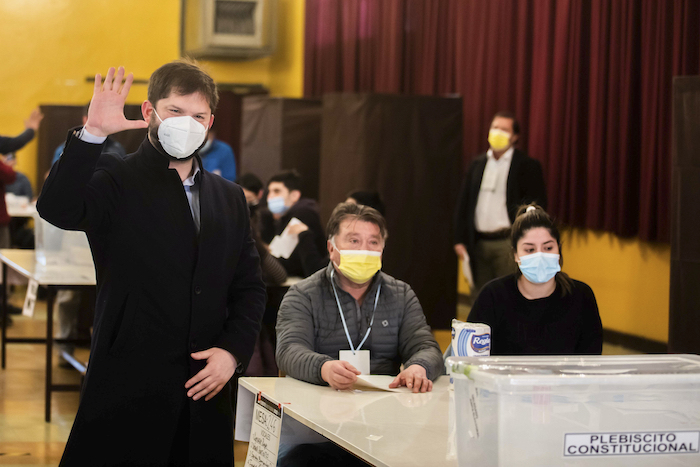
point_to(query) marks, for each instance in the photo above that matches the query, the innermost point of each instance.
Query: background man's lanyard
(342, 317)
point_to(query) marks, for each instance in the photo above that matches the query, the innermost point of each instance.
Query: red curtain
(590, 80)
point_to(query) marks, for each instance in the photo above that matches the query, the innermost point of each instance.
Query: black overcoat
(525, 185)
(163, 291)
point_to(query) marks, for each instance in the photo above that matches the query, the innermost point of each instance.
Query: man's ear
(146, 110)
(294, 195)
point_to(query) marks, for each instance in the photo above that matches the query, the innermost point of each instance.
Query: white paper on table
(377, 383)
(467, 270)
(284, 244)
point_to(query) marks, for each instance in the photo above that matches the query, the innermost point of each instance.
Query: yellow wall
(49, 47)
(630, 279)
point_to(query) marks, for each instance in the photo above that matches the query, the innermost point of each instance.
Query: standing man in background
(496, 183)
(179, 289)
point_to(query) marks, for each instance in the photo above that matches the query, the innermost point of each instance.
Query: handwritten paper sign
(265, 433)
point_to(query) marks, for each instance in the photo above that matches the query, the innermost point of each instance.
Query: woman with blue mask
(538, 310)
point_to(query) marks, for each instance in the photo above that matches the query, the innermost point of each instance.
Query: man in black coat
(496, 184)
(179, 288)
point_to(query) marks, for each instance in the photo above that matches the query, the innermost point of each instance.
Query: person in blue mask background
(539, 309)
(285, 202)
(218, 157)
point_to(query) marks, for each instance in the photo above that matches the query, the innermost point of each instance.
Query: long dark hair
(532, 216)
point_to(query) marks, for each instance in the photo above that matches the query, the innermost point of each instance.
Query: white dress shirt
(491, 211)
(192, 192)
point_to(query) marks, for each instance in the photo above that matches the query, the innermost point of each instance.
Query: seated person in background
(285, 203)
(21, 186)
(262, 363)
(21, 234)
(253, 188)
(367, 198)
(7, 173)
(351, 304)
(218, 158)
(273, 271)
(538, 310)
(111, 146)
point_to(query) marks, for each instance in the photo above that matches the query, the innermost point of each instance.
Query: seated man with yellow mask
(351, 318)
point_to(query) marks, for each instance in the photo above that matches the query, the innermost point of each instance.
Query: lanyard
(342, 317)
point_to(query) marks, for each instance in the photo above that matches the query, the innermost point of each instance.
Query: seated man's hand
(213, 377)
(296, 229)
(339, 374)
(414, 377)
(460, 250)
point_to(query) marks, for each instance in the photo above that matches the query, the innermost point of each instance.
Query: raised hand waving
(106, 113)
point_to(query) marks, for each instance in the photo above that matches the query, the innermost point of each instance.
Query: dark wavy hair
(537, 217)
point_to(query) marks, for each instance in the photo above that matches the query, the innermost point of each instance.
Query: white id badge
(359, 360)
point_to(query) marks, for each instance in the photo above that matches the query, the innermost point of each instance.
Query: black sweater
(552, 325)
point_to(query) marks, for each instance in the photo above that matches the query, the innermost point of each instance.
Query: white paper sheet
(467, 270)
(377, 383)
(283, 245)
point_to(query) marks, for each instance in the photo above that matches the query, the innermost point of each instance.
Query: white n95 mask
(180, 136)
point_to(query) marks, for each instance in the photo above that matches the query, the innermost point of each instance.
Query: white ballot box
(641, 410)
(56, 246)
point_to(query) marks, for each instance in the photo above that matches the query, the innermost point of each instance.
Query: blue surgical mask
(276, 205)
(539, 268)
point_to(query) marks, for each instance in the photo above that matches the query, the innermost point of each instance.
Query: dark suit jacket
(163, 291)
(525, 185)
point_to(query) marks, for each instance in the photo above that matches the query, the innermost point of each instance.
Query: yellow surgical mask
(499, 139)
(359, 265)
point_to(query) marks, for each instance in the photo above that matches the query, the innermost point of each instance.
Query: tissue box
(641, 410)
